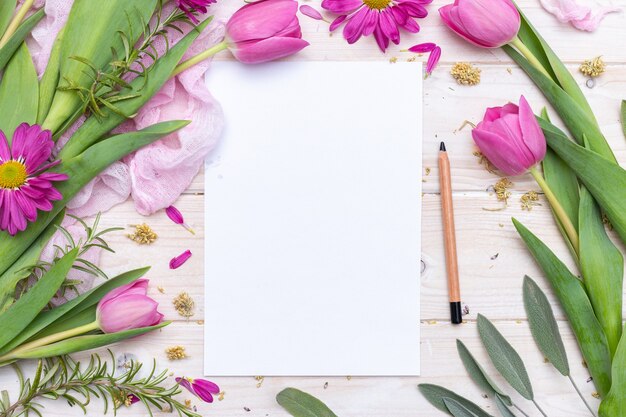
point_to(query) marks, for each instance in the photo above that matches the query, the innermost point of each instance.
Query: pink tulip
(510, 137)
(127, 307)
(485, 23)
(264, 31)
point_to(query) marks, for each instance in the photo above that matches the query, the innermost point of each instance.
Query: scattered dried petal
(593, 67)
(177, 217)
(529, 200)
(502, 189)
(311, 12)
(143, 234)
(175, 353)
(184, 304)
(179, 260)
(465, 73)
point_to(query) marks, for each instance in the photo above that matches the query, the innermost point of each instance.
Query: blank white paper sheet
(312, 216)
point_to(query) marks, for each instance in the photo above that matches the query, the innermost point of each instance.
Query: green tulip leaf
(503, 408)
(21, 269)
(17, 317)
(80, 343)
(50, 79)
(94, 128)
(301, 404)
(15, 41)
(614, 404)
(46, 319)
(602, 267)
(7, 8)
(575, 302)
(605, 180)
(82, 318)
(544, 327)
(19, 81)
(478, 374)
(506, 360)
(81, 170)
(436, 394)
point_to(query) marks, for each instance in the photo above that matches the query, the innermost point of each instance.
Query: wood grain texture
(492, 259)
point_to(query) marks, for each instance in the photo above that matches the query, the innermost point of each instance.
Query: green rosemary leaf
(20, 80)
(436, 394)
(7, 8)
(574, 300)
(506, 360)
(17, 317)
(602, 268)
(503, 407)
(80, 343)
(301, 404)
(8, 50)
(543, 326)
(457, 409)
(478, 374)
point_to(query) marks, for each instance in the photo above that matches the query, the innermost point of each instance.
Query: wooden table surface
(492, 262)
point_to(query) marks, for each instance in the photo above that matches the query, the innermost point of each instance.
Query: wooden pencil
(449, 236)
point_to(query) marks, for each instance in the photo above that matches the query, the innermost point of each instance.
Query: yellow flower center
(12, 174)
(377, 4)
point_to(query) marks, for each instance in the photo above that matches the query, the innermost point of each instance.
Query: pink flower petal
(422, 47)
(179, 260)
(309, 11)
(268, 50)
(433, 59)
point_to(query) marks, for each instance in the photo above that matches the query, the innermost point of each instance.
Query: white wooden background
(492, 260)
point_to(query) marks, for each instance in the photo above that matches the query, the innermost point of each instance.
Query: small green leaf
(301, 404)
(543, 326)
(456, 409)
(19, 81)
(574, 300)
(478, 374)
(614, 404)
(8, 50)
(506, 360)
(503, 408)
(605, 180)
(436, 394)
(80, 343)
(602, 267)
(24, 310)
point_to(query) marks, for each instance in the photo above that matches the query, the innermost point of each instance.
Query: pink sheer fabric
(583, 15)
(156, 175)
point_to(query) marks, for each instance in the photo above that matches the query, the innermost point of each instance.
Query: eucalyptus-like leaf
(602, 267)
(436, 394)
(8, 50)
(614, 404)
(81, 343)
(7, 8)
(17, 317)
(577, 120)
(506, 360)
(82, 169)
(543, 326)
(301, 404)
(46, 319)
(19, 92)
(575, 302)
(146, 85)
(457, 409)
(503, 407)
(605, 180)
(478, 374)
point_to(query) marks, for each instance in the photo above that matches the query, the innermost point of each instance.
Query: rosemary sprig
(94, 239)
(107, 85)
(64, 378)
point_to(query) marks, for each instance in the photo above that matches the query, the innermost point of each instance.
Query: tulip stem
(15, 23)
(523, 49)
(199, 58)
(559, 211)
(50, 339)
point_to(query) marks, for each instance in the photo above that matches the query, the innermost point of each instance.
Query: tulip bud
(485, 23)
(264, 31)
(510, 137)
(127, 307)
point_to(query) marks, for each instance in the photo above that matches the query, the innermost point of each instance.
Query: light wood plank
(364, 397)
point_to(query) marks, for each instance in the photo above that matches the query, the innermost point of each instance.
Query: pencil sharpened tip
(442, 147)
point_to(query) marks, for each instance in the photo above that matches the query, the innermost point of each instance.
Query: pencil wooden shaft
(447, 211)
